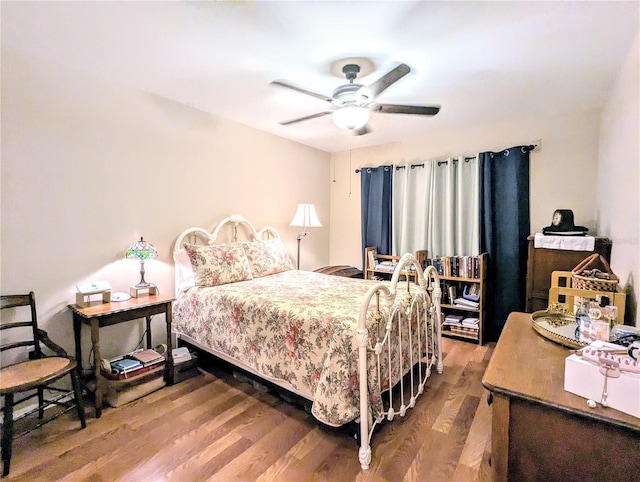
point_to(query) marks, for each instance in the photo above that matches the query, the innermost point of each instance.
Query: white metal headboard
(198, 235)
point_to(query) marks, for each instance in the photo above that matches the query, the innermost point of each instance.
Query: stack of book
(181, 354)
(133, 364)
(388, 266)
(470, 322)
(452, 320)
(460, 325)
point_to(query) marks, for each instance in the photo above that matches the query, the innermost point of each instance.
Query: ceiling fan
(354, 102)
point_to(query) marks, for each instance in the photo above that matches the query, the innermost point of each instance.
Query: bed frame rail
(412, 324)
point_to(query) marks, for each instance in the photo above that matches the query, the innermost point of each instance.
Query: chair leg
(40, 403)
(7, 433)
(78, 396)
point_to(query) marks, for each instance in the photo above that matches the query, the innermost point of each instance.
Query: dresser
(541, 262)
(540, 432)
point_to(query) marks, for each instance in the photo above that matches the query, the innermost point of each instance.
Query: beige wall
(618, 201)
(563, 170)
(89, 167)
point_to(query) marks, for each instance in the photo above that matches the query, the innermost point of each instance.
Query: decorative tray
(559, 327)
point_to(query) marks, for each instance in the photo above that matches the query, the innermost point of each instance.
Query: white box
(584, 379)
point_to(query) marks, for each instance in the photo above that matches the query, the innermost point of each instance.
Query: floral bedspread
(295, 326)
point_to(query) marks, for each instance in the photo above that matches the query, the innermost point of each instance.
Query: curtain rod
(413, 166)
(466, 159)
(369, 169)
(528, 148)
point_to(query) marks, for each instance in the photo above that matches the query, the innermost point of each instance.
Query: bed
(358, 350)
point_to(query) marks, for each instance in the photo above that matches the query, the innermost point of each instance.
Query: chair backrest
(23, 333)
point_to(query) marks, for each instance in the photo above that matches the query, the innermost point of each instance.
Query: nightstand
(98, 315)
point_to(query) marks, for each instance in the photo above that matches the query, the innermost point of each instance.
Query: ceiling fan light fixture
(351, 117)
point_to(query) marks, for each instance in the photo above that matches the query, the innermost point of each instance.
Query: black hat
(562, 224)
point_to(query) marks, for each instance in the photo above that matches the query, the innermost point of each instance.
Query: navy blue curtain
(375, 191)
(504, 227)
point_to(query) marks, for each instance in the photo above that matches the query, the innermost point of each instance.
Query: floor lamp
(305, 217)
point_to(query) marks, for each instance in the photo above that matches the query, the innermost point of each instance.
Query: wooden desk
(99, 315)
(540, 431)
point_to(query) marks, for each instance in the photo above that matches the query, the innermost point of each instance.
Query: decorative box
(585, 378)
(119, 392)
(183, 369)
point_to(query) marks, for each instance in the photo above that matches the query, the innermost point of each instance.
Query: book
(148, 356)
(129, 374)
(466, 303)
(181, 354)
(454, 320)
(470, 322)
(451, 290)
(372, 257)
(385, 266)
(125, 365)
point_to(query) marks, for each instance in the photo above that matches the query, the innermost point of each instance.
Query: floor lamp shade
(305, 217)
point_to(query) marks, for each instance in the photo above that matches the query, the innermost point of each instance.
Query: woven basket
(595, 261)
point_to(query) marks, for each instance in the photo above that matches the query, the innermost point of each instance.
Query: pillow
(267, 257)
(218, 265)
(184, 271)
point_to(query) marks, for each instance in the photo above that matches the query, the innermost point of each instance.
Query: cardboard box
(585, 379)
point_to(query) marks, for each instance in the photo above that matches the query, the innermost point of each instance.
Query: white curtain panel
(411, 206)
(468, 207)
(436, 207)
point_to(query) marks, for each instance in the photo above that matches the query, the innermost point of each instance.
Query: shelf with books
(462, 280)
(381, 266)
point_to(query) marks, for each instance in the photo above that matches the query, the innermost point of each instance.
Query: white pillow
(185, 277)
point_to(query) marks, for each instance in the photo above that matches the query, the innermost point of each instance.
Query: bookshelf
(381, 266)
(461, 278)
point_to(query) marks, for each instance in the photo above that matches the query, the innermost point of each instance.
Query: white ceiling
(481, 61)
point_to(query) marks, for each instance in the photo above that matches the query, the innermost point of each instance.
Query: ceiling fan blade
(280, 83)
(300, 119)
(388, 79)
(361, 131)
(429, 110)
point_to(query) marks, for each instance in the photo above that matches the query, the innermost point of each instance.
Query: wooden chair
(37, 372)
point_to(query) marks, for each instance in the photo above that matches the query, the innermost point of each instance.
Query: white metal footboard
(411, 325)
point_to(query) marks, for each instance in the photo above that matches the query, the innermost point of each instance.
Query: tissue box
(584, 379)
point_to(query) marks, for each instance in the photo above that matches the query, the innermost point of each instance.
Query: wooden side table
(542, 432)
(98, 315)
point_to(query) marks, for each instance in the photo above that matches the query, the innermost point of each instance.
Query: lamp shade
(142, 250)
(306, 217)
(351, 117)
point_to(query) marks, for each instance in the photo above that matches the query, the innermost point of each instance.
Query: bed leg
(365, 455)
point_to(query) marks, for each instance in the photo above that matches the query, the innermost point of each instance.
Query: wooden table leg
(148, 318)
(500, 437)
(170, 370)
(95, 342)
(77, 325)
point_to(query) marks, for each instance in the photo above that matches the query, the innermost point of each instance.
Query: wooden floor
(213, 427)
